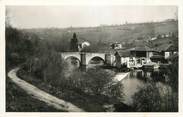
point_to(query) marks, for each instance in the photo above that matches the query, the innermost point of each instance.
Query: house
(142, 54)
(142, 51)
(167, 50)
(124, 58)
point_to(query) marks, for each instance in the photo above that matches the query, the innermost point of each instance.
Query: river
(138, 79)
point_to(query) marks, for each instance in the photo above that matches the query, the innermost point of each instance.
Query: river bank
(121, 76)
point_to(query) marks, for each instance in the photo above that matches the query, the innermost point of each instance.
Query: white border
(4, 3)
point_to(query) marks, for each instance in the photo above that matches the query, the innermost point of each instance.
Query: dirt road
(41, 95)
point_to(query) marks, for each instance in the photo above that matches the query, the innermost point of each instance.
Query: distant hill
(104, 35)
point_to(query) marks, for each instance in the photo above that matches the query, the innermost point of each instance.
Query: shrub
(48, 67)
(173, 72)
(97, 81)
(155, 98)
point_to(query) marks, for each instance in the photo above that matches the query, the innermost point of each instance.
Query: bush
(173, 72)
(48, 67)
(19, 46)
(97, 81)
(155, 98)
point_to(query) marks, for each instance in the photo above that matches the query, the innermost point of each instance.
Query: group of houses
(143, 55)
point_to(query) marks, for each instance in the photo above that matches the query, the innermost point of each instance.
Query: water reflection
(138, 79)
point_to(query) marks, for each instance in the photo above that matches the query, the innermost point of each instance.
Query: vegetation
(74, 43)
(18, 101)
(173, 72)
(153, 98)
(19, 46)
(97, 81)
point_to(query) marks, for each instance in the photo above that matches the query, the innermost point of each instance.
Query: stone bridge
(85, 57)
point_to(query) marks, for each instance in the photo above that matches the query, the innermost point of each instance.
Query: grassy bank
(18, 101)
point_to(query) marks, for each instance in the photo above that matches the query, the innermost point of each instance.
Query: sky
(85, 16)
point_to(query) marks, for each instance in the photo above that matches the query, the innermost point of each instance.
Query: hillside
(104, 35)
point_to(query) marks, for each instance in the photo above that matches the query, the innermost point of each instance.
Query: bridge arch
(73, 60)
(89, 57)
(95, 61)
(96, 58)
(74, 57)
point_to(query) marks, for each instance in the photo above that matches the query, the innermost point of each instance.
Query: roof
(166, 47)
(123, 53)
(141, 48)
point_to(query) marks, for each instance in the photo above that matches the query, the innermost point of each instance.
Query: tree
(98, 82)
(155, 98)
(74, 43)
(173, 70)
(18, 46)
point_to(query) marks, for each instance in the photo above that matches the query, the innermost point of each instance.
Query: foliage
(153, 98)
(173, 72)
(146, 99)
(94, 81)
(74, 43)
(19, 45)
(47, 66)
(97, 79)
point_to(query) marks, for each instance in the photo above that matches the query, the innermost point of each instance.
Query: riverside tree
(74, 43)
(155, 98)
